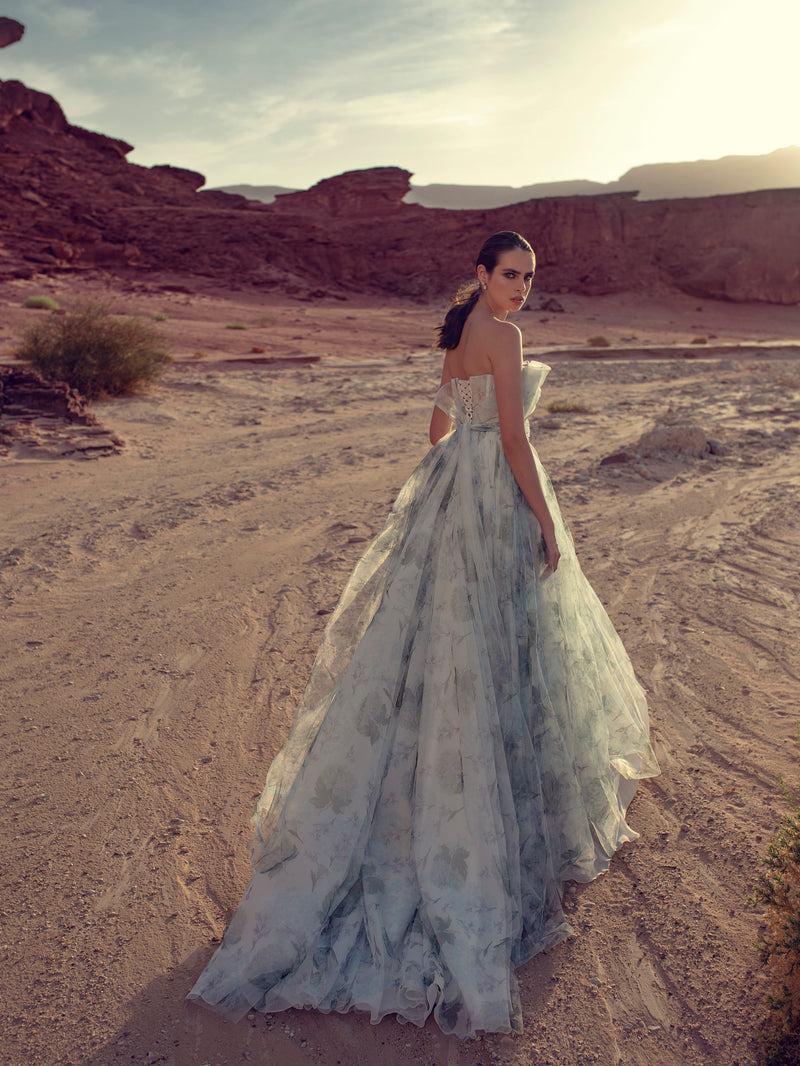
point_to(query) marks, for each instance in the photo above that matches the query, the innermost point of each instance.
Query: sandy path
(161, 611)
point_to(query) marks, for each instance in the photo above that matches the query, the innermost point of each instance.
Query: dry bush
(599, 341)
(95, 351)
(778, 891)
(570, 407)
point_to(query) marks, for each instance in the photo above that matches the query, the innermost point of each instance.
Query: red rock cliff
(70, 200)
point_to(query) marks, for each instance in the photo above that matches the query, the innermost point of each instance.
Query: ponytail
(451, 329)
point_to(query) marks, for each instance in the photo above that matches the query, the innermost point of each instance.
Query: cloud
(70, 21)
(64, 20)
(459, 90)
(170, 75)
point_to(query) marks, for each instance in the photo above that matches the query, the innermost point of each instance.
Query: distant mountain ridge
(653, 181)
(264, 193)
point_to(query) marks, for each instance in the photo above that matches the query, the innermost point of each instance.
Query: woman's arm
(506, 361)
(440, 423)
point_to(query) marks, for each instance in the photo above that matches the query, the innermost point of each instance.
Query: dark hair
(449, 333)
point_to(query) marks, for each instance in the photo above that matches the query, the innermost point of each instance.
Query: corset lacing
(465, 392)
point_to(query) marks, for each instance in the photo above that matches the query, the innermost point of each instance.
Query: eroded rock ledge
(48, 419)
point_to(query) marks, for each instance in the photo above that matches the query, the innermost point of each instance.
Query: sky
(467, 92)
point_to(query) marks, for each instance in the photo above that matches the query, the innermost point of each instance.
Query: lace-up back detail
(473, 401)
(465, 392)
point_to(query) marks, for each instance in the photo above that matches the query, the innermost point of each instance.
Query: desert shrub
(236, 325)
(699, 340)
(160, 317)
(570, 407)
(599, 341)
(95, 351)
(43, 303)
(778, 891)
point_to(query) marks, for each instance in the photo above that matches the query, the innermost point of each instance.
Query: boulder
(678, 439)
(11, 31)
(616, 459)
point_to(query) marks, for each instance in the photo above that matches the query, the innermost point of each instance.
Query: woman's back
(481, 336)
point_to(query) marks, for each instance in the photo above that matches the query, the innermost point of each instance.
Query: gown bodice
(473, 400)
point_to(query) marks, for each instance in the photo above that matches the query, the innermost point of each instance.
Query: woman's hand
(551, 552)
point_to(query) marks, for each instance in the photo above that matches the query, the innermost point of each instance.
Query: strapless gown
(470, 738)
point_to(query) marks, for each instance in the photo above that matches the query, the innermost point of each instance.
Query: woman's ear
(483, 274)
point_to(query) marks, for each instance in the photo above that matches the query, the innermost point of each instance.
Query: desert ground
(162, 606)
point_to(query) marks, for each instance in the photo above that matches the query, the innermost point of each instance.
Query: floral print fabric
(469, 739)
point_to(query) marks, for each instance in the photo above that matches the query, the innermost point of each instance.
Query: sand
(161, 609)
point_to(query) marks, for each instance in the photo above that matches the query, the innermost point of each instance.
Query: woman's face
(508, 285)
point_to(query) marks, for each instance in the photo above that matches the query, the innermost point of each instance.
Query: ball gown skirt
(470, 738)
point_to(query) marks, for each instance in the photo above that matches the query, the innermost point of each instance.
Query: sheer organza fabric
(470, 738)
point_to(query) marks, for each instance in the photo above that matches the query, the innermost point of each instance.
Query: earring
(483, 286)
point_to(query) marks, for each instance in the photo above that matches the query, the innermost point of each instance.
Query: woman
(470, 737)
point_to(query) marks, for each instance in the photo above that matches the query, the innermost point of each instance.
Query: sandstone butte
(70, 201)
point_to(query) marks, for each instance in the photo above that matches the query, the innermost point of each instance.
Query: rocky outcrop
(23, 392)
(62, 189)
(18, 101)
(738, 247)
(11, 31)
(70, 200)
(48, 419)
(100, 143)
(190, 178)
(357, 194)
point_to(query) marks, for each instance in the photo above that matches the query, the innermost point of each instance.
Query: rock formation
(350, 196)
(70, 201)
(11, 31)
(47, 419)
(23, 391)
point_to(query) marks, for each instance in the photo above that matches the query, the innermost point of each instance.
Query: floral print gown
(470, 738)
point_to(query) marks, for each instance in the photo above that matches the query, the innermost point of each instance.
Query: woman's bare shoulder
(504, 341)
(490, 342)
(494, 332)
